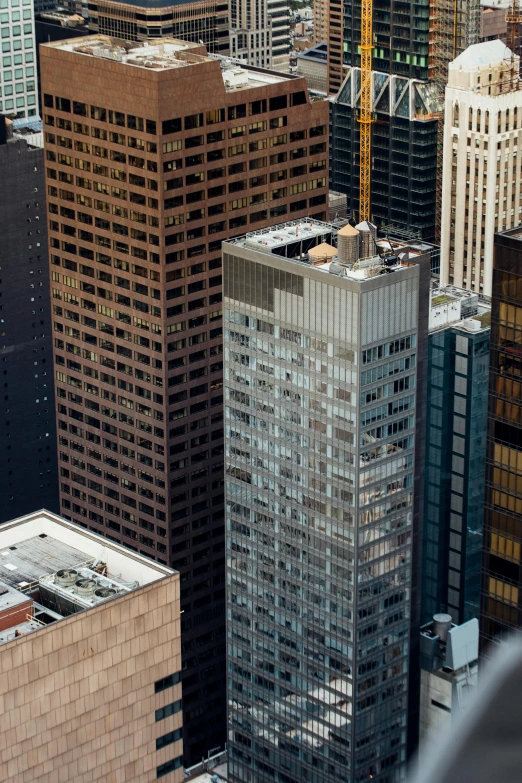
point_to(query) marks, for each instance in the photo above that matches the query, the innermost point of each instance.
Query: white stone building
(260, 32)
(481, 162)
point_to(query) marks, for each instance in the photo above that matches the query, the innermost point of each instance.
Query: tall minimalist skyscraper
(154, 155)
(502, 583)
(28, 460)
(18, 64)
(321, 368)
(482, 175)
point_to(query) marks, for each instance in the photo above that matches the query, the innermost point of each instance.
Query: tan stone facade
(77, 698)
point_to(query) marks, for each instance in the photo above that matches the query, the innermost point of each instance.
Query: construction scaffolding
(513, 21)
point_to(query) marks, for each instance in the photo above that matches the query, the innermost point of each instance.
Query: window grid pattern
(319, 517)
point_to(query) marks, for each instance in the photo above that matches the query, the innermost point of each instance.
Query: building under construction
(386, 72)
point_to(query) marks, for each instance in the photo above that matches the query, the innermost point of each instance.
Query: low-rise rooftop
(51, 568)
(452, 306)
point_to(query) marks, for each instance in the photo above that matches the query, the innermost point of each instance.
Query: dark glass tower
(28, 465)
(404, 132)
(458, 362)
(501, 606)
(404, 161)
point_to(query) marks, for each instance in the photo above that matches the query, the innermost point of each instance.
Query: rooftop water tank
(442, 626)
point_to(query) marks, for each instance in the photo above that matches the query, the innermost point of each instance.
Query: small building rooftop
(452, 306)
(51, 568)
(318, 53)
(63, 18)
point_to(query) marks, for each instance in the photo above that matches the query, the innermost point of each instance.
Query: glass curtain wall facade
(501, 606)
(320, 385)
(404, 166)
(456, 421)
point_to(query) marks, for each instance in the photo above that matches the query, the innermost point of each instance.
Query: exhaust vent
(66, 577)
(85, 587)
(103, 593)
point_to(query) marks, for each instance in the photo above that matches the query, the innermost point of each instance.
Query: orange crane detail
(365, 113)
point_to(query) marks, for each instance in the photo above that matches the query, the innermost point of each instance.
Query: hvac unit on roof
(66, 577)
(103, 593)
(85, 587)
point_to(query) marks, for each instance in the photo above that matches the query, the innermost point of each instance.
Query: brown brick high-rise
(154, 156)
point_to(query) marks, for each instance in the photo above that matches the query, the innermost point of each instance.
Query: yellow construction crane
(365, 113)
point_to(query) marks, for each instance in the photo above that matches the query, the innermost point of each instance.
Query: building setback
(154, 156)
(481, 170)
(456, 424)
(198, 21)
(322, 360)
(28, 464)
(90, 658)
(502, 583)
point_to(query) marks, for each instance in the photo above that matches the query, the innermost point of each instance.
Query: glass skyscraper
(502, 584)
(456, 423)
(321, 365)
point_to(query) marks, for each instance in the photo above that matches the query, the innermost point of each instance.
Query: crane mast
(365, 113)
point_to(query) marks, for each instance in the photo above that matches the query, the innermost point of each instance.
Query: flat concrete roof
(27, 561)
(10, 598)
(58, 567)
(42, 543)
(168, 54)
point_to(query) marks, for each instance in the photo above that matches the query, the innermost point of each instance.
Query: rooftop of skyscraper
(489, 68)
(452, 306)
(51, 569)
(169, 54)
(350, 252)
(484, 54)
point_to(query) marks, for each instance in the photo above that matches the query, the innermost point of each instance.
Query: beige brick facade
(77, 698)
